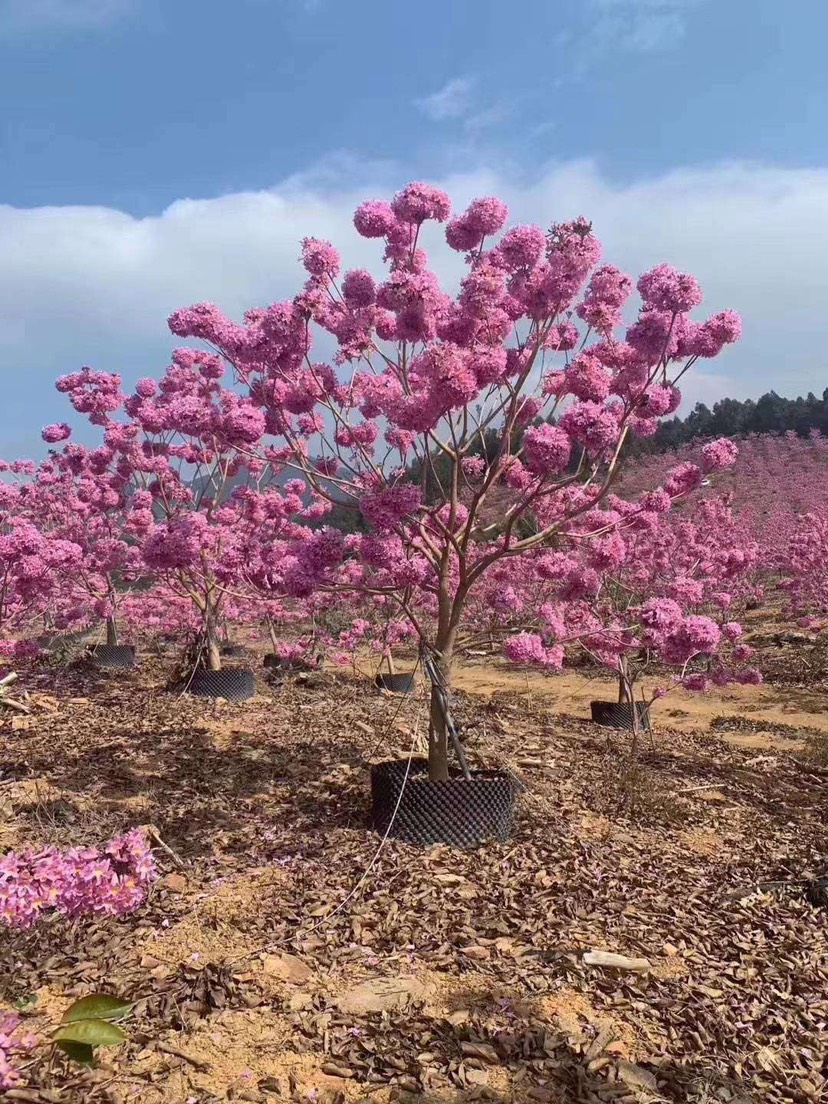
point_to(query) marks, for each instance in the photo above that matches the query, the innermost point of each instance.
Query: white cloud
(633, 26)
(452, 101)
(40, 15)
(95, 285)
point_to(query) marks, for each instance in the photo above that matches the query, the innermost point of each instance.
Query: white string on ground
(364, 877)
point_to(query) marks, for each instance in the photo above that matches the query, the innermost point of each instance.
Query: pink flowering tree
(85, 497)
(33, 562)
(397, 425)
(198, 492)
(804, 568)
(658, 591)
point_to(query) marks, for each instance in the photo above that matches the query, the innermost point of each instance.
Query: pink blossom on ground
(110, 881)
(15, 1044)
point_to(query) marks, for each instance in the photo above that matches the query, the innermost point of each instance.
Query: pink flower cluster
(529, 648)
(110, 881)
(14, 1044)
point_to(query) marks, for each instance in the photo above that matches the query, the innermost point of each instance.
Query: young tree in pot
(32, 565)
(660, 590)
(85, 496)
(429, 376)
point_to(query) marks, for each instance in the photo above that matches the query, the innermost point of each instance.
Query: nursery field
(227, 874)
(285, 953)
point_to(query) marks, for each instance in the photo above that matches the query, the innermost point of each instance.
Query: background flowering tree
(33, 563)
(84, 496)
(197, 498)
(659, 591)
(804, 567)
(421, 380)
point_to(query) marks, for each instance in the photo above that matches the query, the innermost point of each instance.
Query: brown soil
(692, 857)
(571, 692)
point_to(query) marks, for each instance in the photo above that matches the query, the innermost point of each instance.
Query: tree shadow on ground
(190, 789)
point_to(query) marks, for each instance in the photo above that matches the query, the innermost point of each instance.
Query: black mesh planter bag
(113, 655)
(233, 683)
(55, 642)
(619, 714)
(396, 684)
(461, 812)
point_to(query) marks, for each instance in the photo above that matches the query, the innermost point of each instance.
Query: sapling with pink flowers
(662, 591)
(32, 566)
(420, 377)
(85, 496)
(803, 563)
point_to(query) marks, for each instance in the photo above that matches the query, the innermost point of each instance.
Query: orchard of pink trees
(477, 438)
(391, 469)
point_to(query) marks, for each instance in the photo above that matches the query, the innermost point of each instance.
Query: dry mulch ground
(278, 963)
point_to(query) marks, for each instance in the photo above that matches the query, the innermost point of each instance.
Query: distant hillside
(730, 418)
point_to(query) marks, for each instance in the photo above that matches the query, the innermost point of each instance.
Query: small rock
(175, 883)
(476, 1076)
(299, 1002)
(670, 950)
(380, 995)
(286, 967)
(616, 961)
(477, 952)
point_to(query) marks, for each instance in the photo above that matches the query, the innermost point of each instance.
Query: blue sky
(136, 103)
(276, 115)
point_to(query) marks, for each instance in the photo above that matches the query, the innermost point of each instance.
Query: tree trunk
(211, 643)
(626, 694)
(438, 770)
(111, 633)
(625, 687)
(271, 628)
